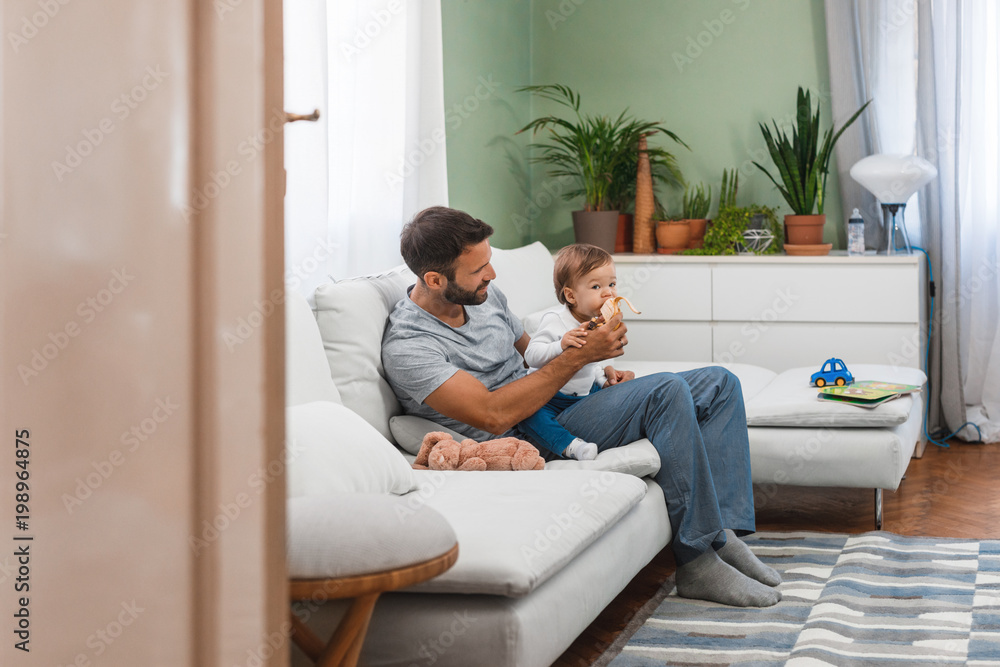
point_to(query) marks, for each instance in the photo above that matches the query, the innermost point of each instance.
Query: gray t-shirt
(420, 353)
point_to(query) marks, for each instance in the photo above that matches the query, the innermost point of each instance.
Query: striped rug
(846, 600)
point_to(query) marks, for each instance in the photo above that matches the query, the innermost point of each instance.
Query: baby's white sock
(581, 450)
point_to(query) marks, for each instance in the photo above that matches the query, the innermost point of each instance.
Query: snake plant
(697, 202)
(803, 163)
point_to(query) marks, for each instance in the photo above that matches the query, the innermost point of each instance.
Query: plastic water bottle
(856, 234)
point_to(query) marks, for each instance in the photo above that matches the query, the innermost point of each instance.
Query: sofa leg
(878, 509)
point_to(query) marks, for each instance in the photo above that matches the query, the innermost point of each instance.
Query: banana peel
(609, 309)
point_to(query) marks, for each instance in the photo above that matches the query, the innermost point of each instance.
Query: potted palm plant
(803, 164)
(589, 149)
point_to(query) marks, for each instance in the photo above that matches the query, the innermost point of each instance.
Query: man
(453, 353)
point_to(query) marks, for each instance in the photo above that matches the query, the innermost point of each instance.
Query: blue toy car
(834, 371)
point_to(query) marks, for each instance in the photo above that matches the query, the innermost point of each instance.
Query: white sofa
(541, 553)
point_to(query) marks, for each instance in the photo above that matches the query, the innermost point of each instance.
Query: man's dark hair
(436, 237)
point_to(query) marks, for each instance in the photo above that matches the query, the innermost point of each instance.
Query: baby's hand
(574, 338)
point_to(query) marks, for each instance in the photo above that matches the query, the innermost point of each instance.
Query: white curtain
(378, 154)
(931, 67)
(977, 74)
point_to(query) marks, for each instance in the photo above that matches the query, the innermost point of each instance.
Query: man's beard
(462, 297)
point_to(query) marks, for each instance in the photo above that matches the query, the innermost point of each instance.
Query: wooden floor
(948, 493)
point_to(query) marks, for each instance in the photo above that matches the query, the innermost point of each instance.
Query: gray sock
(707, 577)
(738, 554)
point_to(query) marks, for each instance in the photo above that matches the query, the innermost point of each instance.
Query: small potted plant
(675, 235)
(727, 198)
(588, 149)
(730, 232)
(803, 163)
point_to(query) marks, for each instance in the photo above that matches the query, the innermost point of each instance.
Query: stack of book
(866, 393)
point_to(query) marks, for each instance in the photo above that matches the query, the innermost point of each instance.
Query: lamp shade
(893, 178)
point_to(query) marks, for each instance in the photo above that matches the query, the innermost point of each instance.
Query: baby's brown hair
(575, 261)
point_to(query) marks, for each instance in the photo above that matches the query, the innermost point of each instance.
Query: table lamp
(893, 179)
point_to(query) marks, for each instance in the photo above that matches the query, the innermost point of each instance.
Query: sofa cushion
(307, 373)
(637, 458)
(752, 378)
(352, 315)
(350, 534)
(789, 400)
(516, 529)
(852, 457)
(332, 450)
(409, 431)
(525, 277)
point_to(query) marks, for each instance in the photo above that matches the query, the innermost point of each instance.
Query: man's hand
(464, 398)
(574, 337)
(617, 377)
(604, 342)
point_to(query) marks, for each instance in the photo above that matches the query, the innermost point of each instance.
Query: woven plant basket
(644, 239)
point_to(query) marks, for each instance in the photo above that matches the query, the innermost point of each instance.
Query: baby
(584, 278)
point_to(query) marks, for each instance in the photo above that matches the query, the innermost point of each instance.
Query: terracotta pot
(596, 228)
(697, 226)
(623, 243)
(804, 229)
(672, 235)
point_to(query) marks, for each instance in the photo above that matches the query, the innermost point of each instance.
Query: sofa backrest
(525, 277)
(352, 315)
(307, 375)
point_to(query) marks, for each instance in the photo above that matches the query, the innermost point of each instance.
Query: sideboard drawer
(804, 293)
(668, 341)
(664, 292)
(782, 345)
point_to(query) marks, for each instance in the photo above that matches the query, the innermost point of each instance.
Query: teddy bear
(439, 451)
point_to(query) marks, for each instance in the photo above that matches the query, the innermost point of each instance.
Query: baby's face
(590, 292)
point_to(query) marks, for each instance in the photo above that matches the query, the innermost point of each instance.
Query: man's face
(473, 273)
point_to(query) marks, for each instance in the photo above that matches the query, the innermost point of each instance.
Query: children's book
(866, 393)
(887, 386)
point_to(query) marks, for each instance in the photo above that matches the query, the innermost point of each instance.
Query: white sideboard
(777, 311)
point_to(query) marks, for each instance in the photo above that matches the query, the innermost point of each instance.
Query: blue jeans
(698, 425)
(543, 429)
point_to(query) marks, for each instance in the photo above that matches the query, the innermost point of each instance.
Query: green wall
(488, 40)
(710, 70)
